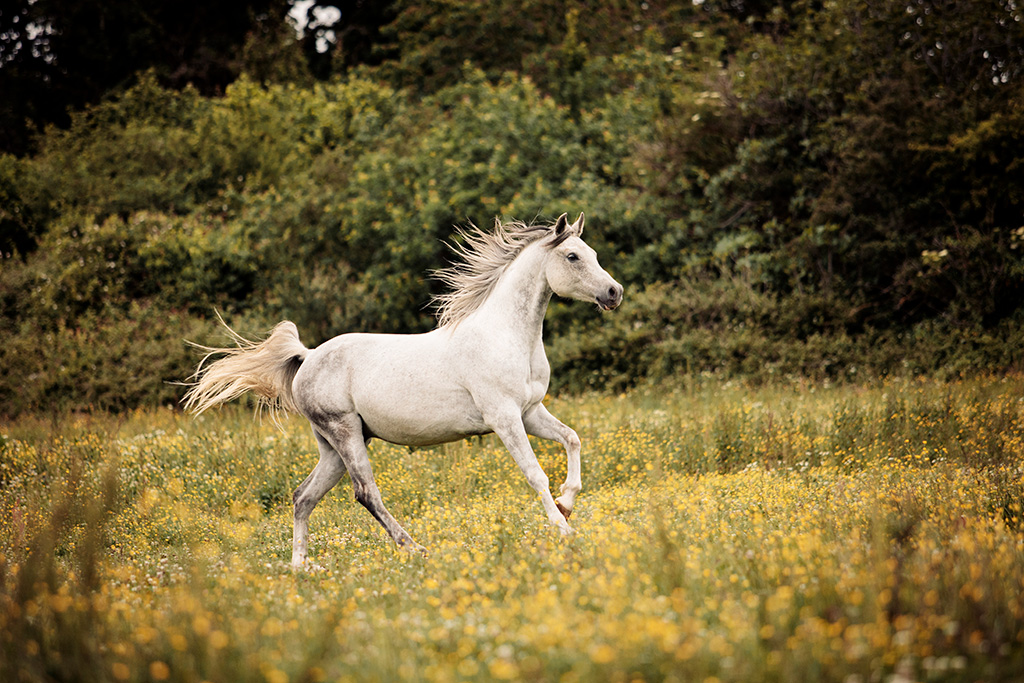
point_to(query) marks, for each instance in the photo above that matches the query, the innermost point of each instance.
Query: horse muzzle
(611, 298)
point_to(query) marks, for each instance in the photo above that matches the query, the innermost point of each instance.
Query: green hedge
(809, 192)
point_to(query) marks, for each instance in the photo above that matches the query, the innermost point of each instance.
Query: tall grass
(786, 532)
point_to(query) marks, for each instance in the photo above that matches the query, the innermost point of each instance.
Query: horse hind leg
(328, 472)
(346, 436)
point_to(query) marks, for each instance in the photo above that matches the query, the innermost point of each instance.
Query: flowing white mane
(484, 256)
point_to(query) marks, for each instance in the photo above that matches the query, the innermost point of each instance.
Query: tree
(341, 34)
(57, 55)
(879, 133)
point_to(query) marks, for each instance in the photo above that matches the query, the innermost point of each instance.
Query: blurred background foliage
(823, 189)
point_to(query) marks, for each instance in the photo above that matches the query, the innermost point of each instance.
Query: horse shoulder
(487, 364)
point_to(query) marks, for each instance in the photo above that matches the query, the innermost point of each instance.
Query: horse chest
(540, 375)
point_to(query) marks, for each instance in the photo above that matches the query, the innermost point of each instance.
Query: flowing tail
(266, 368)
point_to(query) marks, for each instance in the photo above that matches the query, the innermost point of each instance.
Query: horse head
(573, 271)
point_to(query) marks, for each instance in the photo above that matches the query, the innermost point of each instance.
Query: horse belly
(405, 388)
(410, 398)
(421, 418)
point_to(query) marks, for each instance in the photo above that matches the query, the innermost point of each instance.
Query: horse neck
(521, 295)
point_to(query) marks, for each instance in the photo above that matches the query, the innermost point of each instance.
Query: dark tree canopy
(57, 55)
(354, 30)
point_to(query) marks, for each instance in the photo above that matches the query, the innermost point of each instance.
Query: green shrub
(110, 360)
(771, 205)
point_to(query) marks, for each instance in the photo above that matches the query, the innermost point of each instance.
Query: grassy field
(787, 533)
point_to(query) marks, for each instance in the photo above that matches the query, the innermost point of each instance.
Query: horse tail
(265, 368)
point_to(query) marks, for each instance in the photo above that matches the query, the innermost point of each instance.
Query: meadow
(725, 532)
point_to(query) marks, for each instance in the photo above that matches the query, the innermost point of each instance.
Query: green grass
(783, 532)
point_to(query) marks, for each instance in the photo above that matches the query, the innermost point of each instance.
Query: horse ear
(577, 227)
(561, 224)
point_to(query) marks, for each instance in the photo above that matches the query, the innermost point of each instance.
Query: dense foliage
(803, 187)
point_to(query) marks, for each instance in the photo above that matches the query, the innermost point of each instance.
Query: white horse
(482, 370)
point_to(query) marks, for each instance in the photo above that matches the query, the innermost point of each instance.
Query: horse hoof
(413, 548)
(561, 508)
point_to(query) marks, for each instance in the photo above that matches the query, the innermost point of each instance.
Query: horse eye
(572, 258)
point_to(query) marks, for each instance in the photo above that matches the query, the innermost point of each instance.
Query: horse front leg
(540, 423)
(510, 428)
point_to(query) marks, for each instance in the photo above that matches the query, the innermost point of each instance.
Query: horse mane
(484, 256)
